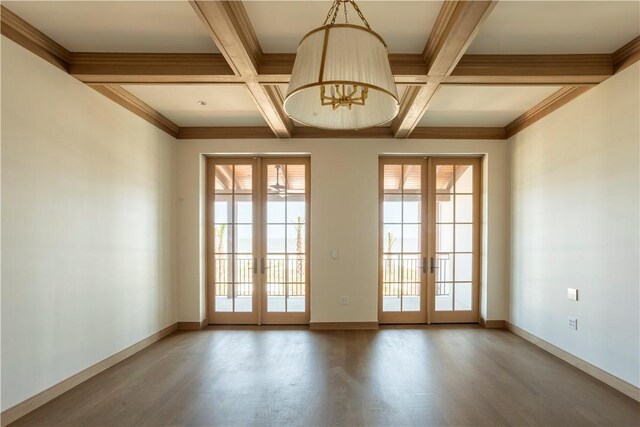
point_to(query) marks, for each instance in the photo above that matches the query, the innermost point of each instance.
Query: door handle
(433, 265)
(263, 268)
(255, 265)
(424, 264)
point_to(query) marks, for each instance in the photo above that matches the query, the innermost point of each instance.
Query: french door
(429, 240)
(258, 240)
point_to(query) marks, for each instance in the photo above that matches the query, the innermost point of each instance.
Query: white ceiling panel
(404, 25)
(226, 105)
(484, 106)
(118, 26)
(557, 27)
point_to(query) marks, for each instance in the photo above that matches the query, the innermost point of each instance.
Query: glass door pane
(455, 207)
(232, 246)
(285, 248)
(401, 241)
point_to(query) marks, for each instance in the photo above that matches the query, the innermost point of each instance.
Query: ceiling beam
(127, 68)
(173, 68)
(454, 30)
(20, 31)
(532, 69)
(231, 30)
(136, 106)
(304, 132)
(544, 108)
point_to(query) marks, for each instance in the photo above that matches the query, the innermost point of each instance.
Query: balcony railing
(402, 275)
(284, 276)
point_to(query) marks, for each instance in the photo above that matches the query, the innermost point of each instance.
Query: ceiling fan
(277, 187)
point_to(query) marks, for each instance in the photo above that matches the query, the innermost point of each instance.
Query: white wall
(88, 226)
(344, 216)
(575, 196)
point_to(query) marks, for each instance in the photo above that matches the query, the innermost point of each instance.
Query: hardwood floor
(454, 375)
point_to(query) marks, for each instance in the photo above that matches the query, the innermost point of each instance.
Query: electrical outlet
(573, 323)
(167, 303)
(344, 300)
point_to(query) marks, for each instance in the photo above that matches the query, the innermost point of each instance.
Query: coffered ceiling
(480, 69)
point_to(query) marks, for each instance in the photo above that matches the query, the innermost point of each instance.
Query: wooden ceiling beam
(532, 69)
(304, 132)
(123, 68)
(454, 30)
(126, 68)
(136, 106)
(231, 30)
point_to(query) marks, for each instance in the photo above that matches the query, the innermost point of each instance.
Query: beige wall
(344, 216)
(575, 191)
(88, 226)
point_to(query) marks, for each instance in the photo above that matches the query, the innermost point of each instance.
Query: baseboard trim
(192, 326)
(326, 326)
(493, 324)
(611, 380)
(23, 408)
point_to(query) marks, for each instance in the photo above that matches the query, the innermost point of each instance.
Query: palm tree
(298, 225)
(220, 229)
(390, 241)
(222, 266)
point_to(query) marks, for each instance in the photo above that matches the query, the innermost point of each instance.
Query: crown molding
(544, 108)
(27, 36)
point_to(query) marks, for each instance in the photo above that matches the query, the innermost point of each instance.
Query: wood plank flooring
(426, 376)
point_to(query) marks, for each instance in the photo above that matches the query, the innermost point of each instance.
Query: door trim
(428, 194)
(259, 314)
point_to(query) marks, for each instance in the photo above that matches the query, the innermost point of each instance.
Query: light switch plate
(572, 294)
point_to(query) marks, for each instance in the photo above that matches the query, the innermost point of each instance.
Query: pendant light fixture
(341, 77)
